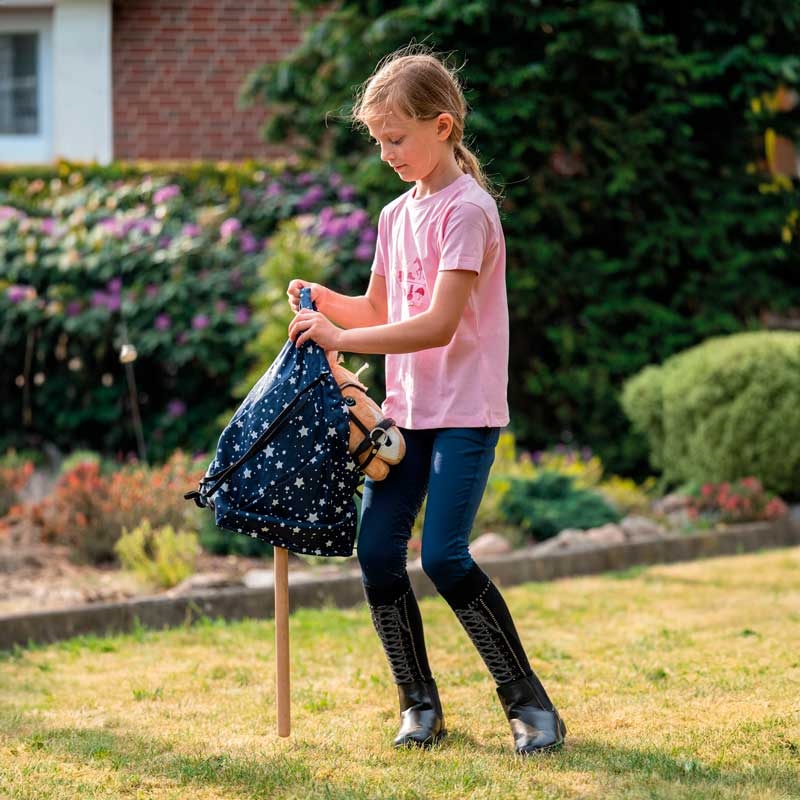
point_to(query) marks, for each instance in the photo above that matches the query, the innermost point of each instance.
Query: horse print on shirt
(414, 285)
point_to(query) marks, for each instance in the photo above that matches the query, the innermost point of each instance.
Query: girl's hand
(312, 325)
(293, 292)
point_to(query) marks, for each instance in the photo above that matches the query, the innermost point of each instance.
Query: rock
(606, 534)
(569, 538)
(637, 528)
(205, 580)
(671, 504)
(489, 544)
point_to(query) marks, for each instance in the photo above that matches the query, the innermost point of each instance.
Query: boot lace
(395, 636)
(490, 643)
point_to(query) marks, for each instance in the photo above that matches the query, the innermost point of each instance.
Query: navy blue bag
(282, 471)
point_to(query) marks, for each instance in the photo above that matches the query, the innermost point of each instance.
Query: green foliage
(292, 254)
(166, 261)
(549, 503)
(162, 556)
(724, 410)
(625, 136)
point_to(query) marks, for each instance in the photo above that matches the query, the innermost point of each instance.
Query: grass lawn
(679, 681)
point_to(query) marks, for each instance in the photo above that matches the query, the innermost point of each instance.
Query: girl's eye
(395, 142)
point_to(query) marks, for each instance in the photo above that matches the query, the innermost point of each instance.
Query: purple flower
(229, 227)
(200, 321)
(8, 212)
(48, 226)
(99, 299)
(357, 219)
(114, 285)
(363, 252)
(369, 236)
(163, 322)
(335, 179)
(274, 189)
(249, 243)
(115, 227)
(73, 308)
(17, 293)
(176, 408)
(242, 315)
(220, 306)
(190, 229)
(183, 337)
(347, 193)
(152, 291)
(166, 193)
(163, 241)
(310, 198)
(305, 178)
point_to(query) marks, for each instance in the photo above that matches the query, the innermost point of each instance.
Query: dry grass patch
(677, 682)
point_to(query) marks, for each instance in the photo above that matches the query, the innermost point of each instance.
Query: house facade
(102, 80)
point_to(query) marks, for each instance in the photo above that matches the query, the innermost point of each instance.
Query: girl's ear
(444, 125)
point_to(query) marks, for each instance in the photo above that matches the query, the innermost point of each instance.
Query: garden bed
(339, 583)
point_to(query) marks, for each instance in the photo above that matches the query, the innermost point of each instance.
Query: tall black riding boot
(396, 617)
(480, 608)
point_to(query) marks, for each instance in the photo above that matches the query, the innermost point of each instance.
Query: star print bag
(282, 471)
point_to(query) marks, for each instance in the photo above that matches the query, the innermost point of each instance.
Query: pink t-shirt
(464, 383)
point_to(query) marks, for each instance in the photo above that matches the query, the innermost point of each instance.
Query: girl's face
(413, 148)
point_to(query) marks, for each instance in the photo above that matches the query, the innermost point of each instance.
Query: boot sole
(427, 744)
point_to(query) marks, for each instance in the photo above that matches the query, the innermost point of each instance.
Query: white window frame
(33, 148)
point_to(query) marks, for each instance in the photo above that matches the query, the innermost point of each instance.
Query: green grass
(676, 682)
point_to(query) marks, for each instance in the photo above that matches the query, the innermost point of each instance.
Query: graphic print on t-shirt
(414, 284)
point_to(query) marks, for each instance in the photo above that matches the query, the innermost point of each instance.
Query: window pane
(19, 104)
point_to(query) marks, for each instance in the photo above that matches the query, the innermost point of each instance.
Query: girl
(436, 306)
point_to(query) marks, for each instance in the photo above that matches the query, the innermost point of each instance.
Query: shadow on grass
(290, 774)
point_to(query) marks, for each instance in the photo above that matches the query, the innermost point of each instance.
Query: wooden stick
(282, 639)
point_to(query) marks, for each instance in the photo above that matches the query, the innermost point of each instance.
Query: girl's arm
(434, 327)
(346, 312)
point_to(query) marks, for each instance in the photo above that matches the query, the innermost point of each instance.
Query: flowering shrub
(744, 500)
(160, 267)
(15, 472)
(89, 507)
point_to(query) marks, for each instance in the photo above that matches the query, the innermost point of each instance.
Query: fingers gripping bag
(283, 472)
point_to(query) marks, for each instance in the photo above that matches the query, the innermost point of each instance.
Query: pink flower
(163, 322)
(17, 293)
(166, 193)
(200, 321)
(230, 227)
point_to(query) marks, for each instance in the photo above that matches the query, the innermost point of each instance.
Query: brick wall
(177, 70)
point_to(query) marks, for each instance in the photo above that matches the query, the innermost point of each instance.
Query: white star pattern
(303, 431)
(299, 482)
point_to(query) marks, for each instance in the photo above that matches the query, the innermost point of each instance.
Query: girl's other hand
(309, 324)
(293, 292)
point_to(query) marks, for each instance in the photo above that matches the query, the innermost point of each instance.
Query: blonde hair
(415, 83)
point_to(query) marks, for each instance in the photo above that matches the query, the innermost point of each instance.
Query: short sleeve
(379, 261)
(466, 234)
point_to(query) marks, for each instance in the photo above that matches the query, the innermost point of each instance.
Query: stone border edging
(307, 591)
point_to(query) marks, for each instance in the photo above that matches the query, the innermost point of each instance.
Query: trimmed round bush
(726, 409)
